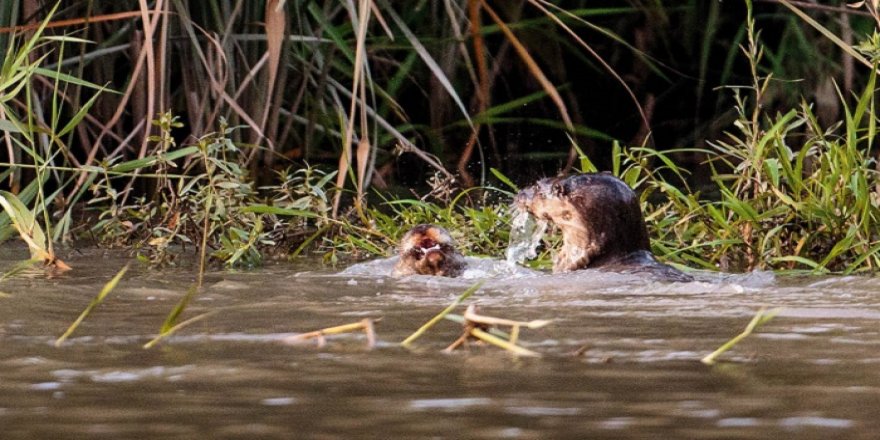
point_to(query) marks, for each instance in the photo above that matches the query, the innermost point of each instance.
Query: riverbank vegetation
(244, 130)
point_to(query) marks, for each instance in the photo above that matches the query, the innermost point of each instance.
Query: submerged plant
(762, 317)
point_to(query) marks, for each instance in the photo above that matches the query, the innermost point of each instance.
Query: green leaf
(24, 221)
(95, 302)
(172, 317)
(504, 179)
(72, 80)
(266, 209)
(8, 126)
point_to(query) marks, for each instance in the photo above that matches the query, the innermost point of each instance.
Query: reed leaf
(762, 317)
(171, 319)
(26, 224)
(95, 302)
(427, 326)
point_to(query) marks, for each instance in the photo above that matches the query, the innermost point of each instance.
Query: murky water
(813, 372)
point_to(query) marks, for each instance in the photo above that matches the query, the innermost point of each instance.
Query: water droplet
(525, 235)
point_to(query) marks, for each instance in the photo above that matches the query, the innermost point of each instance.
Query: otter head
(428, 250)
(598, 214)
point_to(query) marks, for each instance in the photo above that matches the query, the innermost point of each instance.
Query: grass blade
(762, 317)
(171, 319)
(95, 302)
(27, 226)
(177, 327)
(467, 293)
(18, 268)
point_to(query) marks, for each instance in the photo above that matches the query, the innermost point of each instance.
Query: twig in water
(365, 324)
(442, 314)
(471, 315)
(498, 342)
(762, 317)
(462, 340)
(477, 326)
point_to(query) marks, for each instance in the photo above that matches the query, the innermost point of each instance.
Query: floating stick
(498, 342)
(366, 325)
(471, 315)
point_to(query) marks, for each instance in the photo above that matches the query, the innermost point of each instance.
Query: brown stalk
(215, 68)
(149, 29)
(359, 67)
(363, 157)
(297, 100)
(120, 109)
(534, 69)
(276, 25)
(75, 21)
(88, 116)
(463, 339)
(219, 85)
(366, 325)
(408, 147)
(645, 119)
(819, 7)
(482, 96)
(162, 59)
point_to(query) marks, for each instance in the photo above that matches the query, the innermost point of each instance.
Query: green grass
(786, 189)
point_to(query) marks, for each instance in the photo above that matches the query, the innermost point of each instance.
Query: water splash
(525, 235)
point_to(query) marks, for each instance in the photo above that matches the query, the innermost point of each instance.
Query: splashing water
(525, 234)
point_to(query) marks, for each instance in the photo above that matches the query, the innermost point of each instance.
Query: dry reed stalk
(366, 325)
(359, 68)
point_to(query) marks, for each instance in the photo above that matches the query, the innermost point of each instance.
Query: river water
(620, 360)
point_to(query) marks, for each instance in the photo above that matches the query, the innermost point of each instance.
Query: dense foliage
(239, 128)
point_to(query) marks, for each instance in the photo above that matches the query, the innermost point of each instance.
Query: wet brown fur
(429, 250)
(600, 220)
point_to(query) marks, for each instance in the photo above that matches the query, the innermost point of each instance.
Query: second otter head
(429, 250)
(598, 214)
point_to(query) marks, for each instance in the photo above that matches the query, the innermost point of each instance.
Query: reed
(92, 305)
(270, 85)
(365, 325)
(433, 321)
(762, 317)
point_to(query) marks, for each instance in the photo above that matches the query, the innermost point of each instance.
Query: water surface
(621, 359)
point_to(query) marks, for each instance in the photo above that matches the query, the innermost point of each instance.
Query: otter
(601, 224)
(429, 250)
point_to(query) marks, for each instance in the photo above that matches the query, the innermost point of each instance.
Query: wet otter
(429, 250)
(601, 223)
